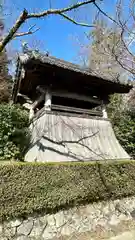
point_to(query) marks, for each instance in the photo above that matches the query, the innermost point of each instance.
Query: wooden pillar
(31, 113)
(104, 111)
(48, 100)
(35, 105)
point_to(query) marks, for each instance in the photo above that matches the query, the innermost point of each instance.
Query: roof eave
(24, 58)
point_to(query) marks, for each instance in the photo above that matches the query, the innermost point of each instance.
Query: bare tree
(62, 12)
(25, 16)
(4, 76)
(125, 24)
(116, 39)
(101, 58)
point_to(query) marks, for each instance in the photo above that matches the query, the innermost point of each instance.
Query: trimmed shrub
(26, 188)
(14, 137)
(122, 116)
(125, 132)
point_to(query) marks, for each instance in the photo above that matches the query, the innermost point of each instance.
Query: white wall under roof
(57, 138)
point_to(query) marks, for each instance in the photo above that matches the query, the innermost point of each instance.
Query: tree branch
(123, 26)
(22, 18)
(132, 9)
(29, 32)
(59, 11)
(105, 14)
(121, 64)
(75, 22)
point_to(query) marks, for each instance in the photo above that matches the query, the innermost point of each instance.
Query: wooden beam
(76, 110)
(25, 97)
(65, 94)
(76, 96)
(39, 100)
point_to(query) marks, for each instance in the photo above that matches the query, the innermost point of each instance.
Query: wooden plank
(76, 110)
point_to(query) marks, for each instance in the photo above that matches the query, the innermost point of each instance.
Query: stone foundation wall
(93, 221)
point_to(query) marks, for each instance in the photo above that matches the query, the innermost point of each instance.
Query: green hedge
(26, 188)
(14, 132)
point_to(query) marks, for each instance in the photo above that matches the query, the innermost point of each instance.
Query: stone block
(51, 220)
(1, 229)
(114, 220)
(60, 219)
(38, 228)
(49, 233)
(22, 238)
(43, 219)
(15, 223)
(25, 228)
(133, 214)
(106, 210)
(84, 226)
(67, 230)
(9, 232)
(3, 238)
(122, 208)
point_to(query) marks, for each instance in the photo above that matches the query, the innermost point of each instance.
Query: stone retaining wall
(98, 220)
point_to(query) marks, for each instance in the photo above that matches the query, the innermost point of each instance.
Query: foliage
(123, 120)
(14, 135)
(116, 108)
(131, 100)
(125, 132)
(37, 187)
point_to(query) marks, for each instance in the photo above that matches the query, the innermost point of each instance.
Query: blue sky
(60, 37)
